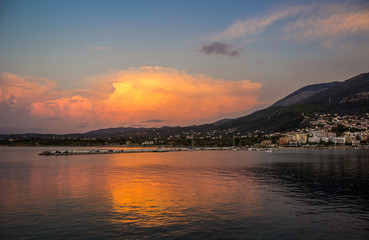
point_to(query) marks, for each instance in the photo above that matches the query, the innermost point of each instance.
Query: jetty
(100, 151)
(129, 150)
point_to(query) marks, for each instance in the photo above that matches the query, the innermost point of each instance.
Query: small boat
(161, 150)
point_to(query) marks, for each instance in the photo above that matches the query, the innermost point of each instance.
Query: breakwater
(112, 151)
(99, 151)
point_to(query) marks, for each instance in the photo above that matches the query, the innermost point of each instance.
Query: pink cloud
(255, 26)
(325, 26)
(326, 23)
(76, 106)
(8, 99)
(22, 90)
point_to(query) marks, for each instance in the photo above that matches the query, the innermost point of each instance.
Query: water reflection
(155, 196)
(236, 195)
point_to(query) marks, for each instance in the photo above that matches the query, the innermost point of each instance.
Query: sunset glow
(128, 64)
(135, 96)
(145, 195)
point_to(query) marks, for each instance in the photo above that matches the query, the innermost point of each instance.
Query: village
(330, 129)
(323, 130)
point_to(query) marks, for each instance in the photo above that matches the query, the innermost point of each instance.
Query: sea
(286, 194)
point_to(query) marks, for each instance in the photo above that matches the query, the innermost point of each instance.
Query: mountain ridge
(304, 93)
(332, 99)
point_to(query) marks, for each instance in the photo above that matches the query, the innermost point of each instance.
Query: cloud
(154, 121)
(219, 49)
(15, 90)
(24, 86)
(327, 23)
(131, 96)
(180, 98)
(255, 26)
(17, 94)
(8, 99)
(325, 26)
(75, 106)
(99, 48)
(82, 125)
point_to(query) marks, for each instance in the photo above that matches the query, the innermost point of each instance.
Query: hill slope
(351, 95)
(348, 97)
(304, 93)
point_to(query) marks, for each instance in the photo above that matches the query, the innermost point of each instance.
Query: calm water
(289, 194)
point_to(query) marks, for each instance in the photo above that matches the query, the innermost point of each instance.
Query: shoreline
(88, 151)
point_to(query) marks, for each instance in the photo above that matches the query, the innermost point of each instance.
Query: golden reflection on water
(232, 194)
(141, 201)
(157, 191)
(146, 190)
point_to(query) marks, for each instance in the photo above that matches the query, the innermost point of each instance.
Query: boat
(161, 150)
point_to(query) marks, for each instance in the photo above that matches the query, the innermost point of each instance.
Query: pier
(100, 151)
(138, 150)
(146, 150)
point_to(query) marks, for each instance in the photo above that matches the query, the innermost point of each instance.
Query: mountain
(304, 93)
(120, 131)
(351, 95)
(348, 97)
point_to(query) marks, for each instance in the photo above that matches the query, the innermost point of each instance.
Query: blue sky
(281, 45)
(51, 38)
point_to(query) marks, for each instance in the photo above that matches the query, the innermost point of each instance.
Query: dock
(100, 151)
(114, 151)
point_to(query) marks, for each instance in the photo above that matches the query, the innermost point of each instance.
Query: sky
(75, 66)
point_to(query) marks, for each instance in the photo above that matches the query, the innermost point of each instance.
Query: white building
(339, 140)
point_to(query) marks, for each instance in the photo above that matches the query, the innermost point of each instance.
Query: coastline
(120, 149)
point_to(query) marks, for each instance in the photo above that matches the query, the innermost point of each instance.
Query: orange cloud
(179, 98)
(134, 96)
